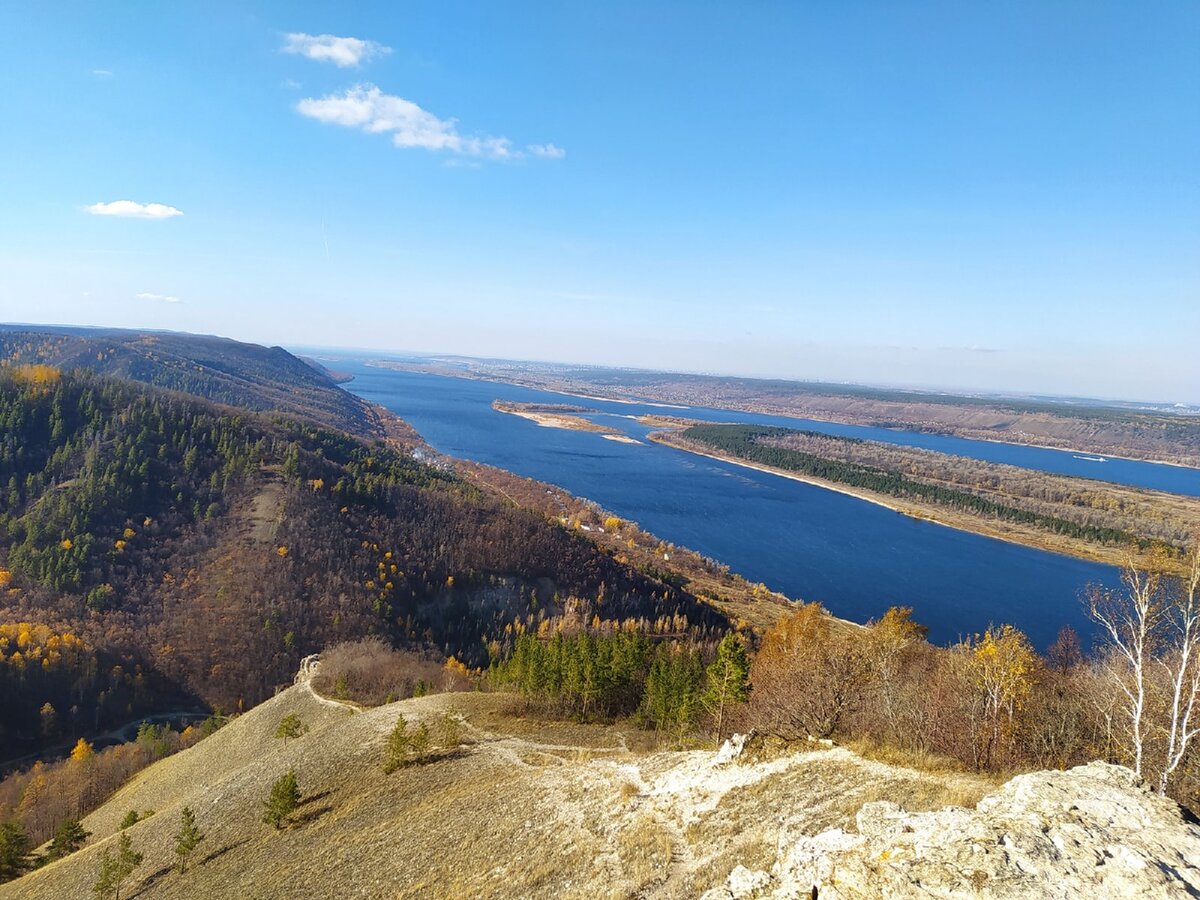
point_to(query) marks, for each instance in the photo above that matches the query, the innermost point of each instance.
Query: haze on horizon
(957, 195)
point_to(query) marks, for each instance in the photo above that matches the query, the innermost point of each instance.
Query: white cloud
(128, 209)
(366, 107)
(343, 52)
(160, 298)
(102, 73)
(547, 151)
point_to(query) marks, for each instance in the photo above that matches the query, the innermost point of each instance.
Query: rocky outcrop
(1092, 831)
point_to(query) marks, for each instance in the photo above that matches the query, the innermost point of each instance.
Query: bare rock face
(1092, 831)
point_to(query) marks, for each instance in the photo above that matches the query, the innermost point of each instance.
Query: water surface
(857, 558)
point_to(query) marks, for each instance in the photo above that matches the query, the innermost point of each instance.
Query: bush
(372, 673)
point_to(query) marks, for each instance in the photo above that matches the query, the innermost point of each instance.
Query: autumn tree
(1002, 668)
(809, 673)
(726, 680)
(115, 868)
(187, 838)
(282, 801)
(891, 643)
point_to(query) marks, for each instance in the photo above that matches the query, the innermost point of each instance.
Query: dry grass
(525, 808)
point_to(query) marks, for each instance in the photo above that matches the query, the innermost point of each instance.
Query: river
(857, 558)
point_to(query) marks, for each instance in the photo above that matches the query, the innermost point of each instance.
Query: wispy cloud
(128, 209)
(102, 73)
(343, 52)
(547, 151)
(368, 108)
(158, 298)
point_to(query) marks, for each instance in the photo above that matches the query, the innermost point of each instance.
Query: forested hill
(218, 369)
(154, 545)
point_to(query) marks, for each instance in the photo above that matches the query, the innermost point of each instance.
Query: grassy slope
(523, 809)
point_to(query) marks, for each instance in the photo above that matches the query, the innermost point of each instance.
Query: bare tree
(1131, 621)
(1182, 665)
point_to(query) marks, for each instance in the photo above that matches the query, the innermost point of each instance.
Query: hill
(218, 369)
(192, 553)
(521, 808)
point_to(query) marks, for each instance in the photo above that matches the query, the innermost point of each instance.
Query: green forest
(199, 552)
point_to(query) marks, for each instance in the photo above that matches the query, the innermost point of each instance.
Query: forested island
(1071, 515)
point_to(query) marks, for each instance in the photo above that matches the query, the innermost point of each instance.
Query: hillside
(527, 809)
(197, 554)
(218, 369)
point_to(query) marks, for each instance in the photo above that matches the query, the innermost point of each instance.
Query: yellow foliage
(282, 551)
(83, 751)
(119, 545)
(128, 533)
(612, 523)
(38, 374)
(5, 577)
(67, 544)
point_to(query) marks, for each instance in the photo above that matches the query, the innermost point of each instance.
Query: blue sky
(958, 194)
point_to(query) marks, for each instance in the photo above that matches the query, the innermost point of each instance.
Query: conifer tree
(290, 726)
(68, 837)
(727, 680)
(282, 801)
(114, 869)
(187, 838)
(14, 845)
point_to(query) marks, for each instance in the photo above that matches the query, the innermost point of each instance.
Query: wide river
(855, 557)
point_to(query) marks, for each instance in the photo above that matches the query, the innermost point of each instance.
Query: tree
(14, 845)
(726, 679)
(115, 869)
(131, 819)
(282, 801)
(68, 837)
(1130, 622)
(82, 752)
(1002, 666)
(1181, 665)
(187, 838)
(404, 746)
(290, 726)
(892, 642)
(810, 672)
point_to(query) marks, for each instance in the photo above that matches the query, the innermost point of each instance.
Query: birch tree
(1130, 621)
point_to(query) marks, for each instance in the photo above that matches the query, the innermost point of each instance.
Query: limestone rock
(1092, 832)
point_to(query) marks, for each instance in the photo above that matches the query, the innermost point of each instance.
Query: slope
(529, 809)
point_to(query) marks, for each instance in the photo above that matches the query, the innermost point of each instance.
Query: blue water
(855, 557)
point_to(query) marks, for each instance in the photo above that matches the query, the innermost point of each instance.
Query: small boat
(1092, 458)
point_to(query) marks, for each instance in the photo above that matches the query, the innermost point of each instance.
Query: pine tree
(14, 845)
(404, 747)
(115, 869)
(68, 837)
(290, 726)
(283, 800)
(187, 838)
(727, 679)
